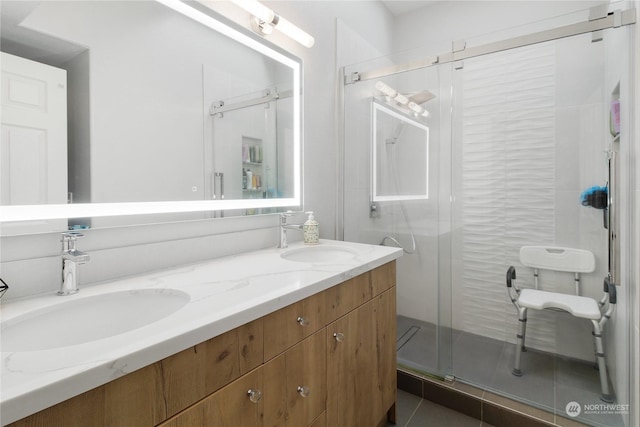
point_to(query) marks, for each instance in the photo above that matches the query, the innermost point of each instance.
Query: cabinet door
(295, 390)
(361, 364)
(384, 307)
(306, 380)
(350, 364)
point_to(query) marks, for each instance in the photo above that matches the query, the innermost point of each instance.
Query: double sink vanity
(278, 337)
(303, 336)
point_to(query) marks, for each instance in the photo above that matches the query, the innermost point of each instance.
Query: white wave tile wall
(532, 140)
(508, 168)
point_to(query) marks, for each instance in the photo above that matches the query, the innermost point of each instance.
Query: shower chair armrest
(511, 275)
(610, 293)
(511, 286)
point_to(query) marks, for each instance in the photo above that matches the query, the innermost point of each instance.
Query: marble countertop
(224, 293)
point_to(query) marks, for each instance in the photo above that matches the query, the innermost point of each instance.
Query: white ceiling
(399, 7)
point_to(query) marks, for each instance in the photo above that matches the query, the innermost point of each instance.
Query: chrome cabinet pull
(254, 395)
(339, 336)
(303, 321)
(304, 391)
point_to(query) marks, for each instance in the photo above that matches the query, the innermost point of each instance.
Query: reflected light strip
(85, 210)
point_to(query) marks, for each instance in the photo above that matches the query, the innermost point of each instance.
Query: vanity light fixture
(265, 20)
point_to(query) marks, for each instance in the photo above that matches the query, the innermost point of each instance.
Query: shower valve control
(373, 210)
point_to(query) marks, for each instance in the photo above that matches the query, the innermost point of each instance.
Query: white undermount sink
(81, 320)
(319, 253)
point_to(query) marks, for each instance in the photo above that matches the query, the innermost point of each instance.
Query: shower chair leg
(522, 329)
(602, 367)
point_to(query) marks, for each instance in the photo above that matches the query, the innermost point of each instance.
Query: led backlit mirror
(161, 107)
(400, 142)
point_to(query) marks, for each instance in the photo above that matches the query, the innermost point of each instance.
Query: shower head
(396, 135)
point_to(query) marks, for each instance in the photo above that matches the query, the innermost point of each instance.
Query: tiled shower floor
(549, 382)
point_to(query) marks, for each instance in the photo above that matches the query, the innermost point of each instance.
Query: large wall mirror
(116, 108)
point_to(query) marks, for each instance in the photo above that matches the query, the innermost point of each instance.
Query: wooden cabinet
(328, 360)
(361, 378)
(306, 380)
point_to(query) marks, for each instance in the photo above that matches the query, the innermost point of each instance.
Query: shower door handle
(218, 185)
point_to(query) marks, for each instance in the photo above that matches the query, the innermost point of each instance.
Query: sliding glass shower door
(463, 163)
(533, 134)
(397, 187)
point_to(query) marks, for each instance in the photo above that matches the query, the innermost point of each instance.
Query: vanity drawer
(290, 325)
(198, 371)
(345, 297)
(383, 278)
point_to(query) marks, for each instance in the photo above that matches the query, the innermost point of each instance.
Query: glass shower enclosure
(462, 163)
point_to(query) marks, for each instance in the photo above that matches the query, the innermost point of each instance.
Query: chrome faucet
(284, 227)
(71, 259)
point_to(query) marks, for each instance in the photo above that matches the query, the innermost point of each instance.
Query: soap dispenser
(311, 230)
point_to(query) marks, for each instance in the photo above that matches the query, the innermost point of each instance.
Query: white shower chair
(567, 260)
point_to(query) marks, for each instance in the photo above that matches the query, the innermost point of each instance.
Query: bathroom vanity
(303, 336)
